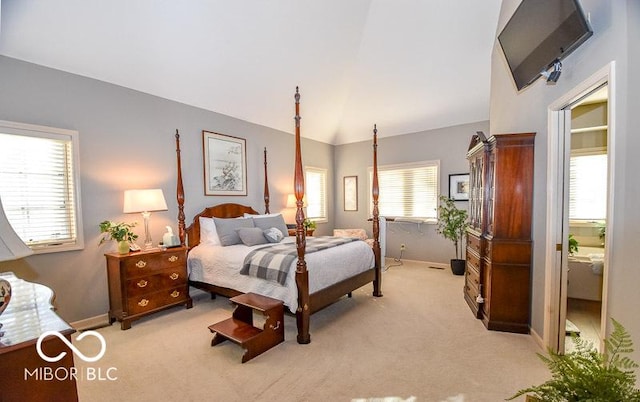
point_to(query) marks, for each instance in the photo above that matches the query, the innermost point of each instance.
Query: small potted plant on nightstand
(309, 226)
(120, 232)
(452, 225)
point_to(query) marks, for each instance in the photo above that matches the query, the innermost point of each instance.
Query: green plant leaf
(587, 375)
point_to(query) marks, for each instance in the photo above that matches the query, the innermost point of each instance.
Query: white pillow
(208, 232)
(273, 235)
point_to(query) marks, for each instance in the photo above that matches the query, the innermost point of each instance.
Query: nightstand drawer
(165, 279)
(144, 264)
(143, 303)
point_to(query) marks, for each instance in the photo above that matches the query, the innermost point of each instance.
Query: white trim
(101, 320)
(606, 75)
(24, 129)
(538, 340)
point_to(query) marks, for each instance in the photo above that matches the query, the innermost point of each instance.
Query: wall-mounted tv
(540, 33)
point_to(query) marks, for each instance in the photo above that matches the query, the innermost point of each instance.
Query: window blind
(408, 191)
(38, 190)
(588, 187)
(315, 193)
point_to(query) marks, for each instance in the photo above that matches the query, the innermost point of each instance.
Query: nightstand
(145, 282)
(292, 232)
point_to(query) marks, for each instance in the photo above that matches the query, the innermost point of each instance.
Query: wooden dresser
(497, 277)
(145, 282)
(23, 373)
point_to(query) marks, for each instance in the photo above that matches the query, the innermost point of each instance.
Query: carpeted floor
(419, 340)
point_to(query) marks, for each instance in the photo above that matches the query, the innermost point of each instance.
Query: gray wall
(616, 26)
(448, 145)
(127, 141)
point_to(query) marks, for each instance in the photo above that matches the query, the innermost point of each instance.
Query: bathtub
(585, 274)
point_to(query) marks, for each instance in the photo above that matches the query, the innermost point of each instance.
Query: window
(39, 185)
(588, 187)
(315, 183)
(408, 190)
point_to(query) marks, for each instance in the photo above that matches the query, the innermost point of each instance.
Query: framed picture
(350, 193)
(459, 187)
(225, 164)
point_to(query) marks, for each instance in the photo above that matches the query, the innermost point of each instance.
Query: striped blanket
(274, 262)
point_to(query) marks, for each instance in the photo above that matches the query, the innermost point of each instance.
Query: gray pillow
(227, 229)
(271, 221)
(251, 236)
(273, 235)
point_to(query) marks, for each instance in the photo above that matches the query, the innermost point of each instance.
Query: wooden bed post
(266, 184)
(180, 194)
(302, 275)
(375, 192)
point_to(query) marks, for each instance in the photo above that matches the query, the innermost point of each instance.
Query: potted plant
(573, 244)
(588, 375)
(120, 232)
(309, 226)
(452, 225)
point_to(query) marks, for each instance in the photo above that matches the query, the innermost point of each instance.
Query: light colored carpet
(419, 340)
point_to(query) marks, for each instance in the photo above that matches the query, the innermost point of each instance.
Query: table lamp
(145, 202)
(11, 248)
(291, 201)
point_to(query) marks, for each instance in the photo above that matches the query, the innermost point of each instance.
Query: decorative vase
(5, 294)
(123, 247)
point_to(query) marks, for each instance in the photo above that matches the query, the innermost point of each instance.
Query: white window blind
(588, 187)
(408, 190)
(316, 193)
(38, 185)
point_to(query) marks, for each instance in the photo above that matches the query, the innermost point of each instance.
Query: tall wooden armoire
(497, 277)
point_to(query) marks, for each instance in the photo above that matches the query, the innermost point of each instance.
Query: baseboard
(98, 321)
(537, 338)
(436, 265)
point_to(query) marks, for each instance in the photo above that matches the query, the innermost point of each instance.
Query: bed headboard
(228, 210)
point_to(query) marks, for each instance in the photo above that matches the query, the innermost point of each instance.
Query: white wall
(127, 141)
(616, 25)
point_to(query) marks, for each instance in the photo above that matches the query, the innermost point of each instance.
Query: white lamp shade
(11, 246)
(291, 201)
(144, 201)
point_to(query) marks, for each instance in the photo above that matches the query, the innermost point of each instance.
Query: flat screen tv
(539, 33)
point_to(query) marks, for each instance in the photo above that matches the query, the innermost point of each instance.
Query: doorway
(580, 180)
(587, 214)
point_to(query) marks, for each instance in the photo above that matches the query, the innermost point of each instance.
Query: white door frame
(555, 281)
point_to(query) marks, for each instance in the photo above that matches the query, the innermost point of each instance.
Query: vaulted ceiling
(407, 65)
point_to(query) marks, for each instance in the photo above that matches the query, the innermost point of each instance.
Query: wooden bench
(240, 329)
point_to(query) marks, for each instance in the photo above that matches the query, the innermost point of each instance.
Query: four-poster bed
(338, 265)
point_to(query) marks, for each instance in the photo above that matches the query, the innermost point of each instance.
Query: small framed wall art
(225, 164)
(350, 186)
(459, 187)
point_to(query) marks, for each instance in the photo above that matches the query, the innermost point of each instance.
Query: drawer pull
(143, 303)
(142, 283)
(175, 294)
(141, 264)
(174, 276)
(173, 258)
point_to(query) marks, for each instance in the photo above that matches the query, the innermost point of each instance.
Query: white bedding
(221, 266)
